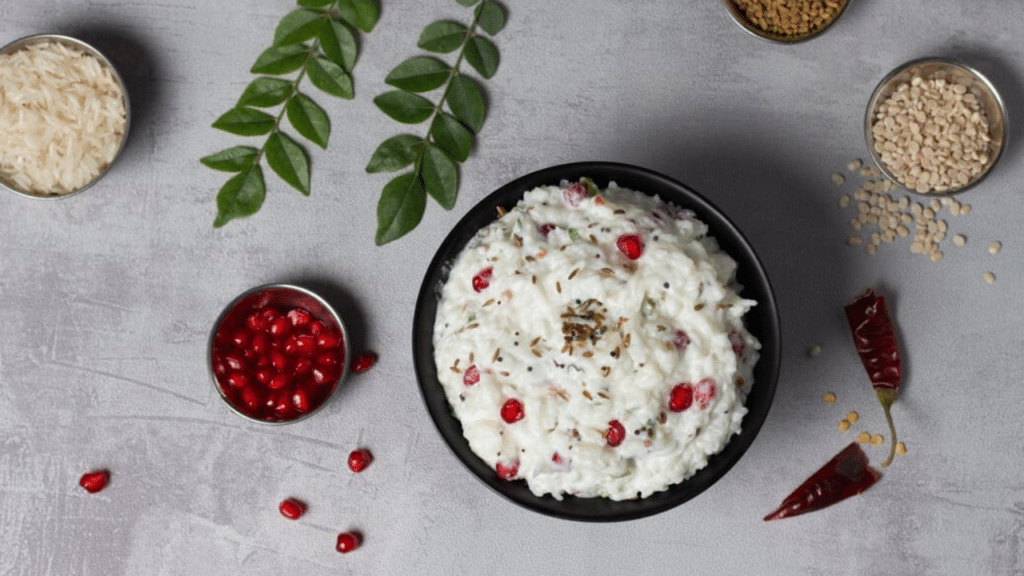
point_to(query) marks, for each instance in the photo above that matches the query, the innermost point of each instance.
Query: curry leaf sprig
(454, 118)
(317, 41)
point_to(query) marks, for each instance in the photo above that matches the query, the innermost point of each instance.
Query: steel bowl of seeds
(935, 126)
(785, 21)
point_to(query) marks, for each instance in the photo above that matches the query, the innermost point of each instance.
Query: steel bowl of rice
(64, 116)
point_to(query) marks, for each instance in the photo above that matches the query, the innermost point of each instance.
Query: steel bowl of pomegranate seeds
(277, 353)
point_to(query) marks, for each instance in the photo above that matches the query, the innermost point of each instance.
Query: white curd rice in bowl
(591, 343)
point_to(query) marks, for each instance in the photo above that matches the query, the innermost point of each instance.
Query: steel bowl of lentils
(785, 21)
(935, 126)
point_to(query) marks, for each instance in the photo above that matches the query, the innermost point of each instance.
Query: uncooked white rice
(62, 118)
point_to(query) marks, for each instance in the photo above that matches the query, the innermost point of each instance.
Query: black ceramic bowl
(762, 321)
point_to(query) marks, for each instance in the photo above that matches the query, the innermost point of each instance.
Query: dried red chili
(875, 338)
(847, 474)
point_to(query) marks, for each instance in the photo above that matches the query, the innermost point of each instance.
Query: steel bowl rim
(981, 78)
(104, 61)
(346, 348)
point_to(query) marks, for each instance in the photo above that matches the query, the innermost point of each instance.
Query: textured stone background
(106, 300)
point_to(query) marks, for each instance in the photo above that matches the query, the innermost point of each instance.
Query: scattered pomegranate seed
(705, 392)
(512, 411)
(681, 397)
(574, 194)
(94, 481)
(616, 433)
(471, 375)
(546, 229)
(292, 509)
(507, 472)
(348, 541)
(681, 340)
(738, 345)
(363, 362)
(631, 245)
(483, 279)
(560, 463)
(359, 459)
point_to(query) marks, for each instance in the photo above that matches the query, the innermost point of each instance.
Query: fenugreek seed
(574, 273)
(505, 373)
(844, 200)
(838, 179)
(454, 369)
(625, 341)
(558, 287)
(814, 350)
(587, 395)
(470, 357)
(852, 416)
(901, 448)
(990, 277)
(863, 437)
(501, 212)
(473, 325)
(843, 425)
(828, 398)
(534, 279)
(536, 352)
(588, 353)
(534, 341)
(959, 240)
(497, 353)
(699, 306)
(606, 370)
(995, 247)
(489, 302)
(517, 240)
(608, 271)
(877, 439)
(603, 395)
(456, 364)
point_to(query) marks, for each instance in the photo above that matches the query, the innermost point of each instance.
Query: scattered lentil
(854, 164)
(959, 240)
(990, 277)
(814, 350)
(852, 416)
(965, 209)
(843, 425)
(995, 247)
(901, 448)
(844, 200)
(877, 439)
(828, 398)
(838, 179)
(863, 437)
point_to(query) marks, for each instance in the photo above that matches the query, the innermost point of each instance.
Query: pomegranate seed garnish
(292, 509)
(680, 340)
(94, 481)
(512, 411)
(681, 397)
(546, 229)
(328, 339)
(483, 279)
(299, 317)
(738, 345)
(704, 392)
(631, 245)
(363, 362)
(574, 194)
(560, 463)
(348, 541)
(471, 375)
(616, 433)
(507, 472)
(280, 327)
(359, 459)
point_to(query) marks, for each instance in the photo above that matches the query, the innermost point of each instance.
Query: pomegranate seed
(631, 245)
(359, 459)
(260, 343)
(616, 433)
(347, 542)
(322, 376)
(574, 194)
(283, 405)
(738, 345)
(238, 379)
(363, 362)
(234, 360)
(328, 340)
(280, 380)
(681, 397)
(251, 398)
(292, 509)
(241, 337)
(299, 345)
(471, 375)
(279, 361)
(269, 315)
(300, 401)
(94, 481)
(560, 463)
(264, 375)
(222, 338)
(280, 327)
(483, 279)
(219, 367)
(507, 472)
(512, 411)
(317, 327)
(546, 229)
(681, 340)
(299, 317)
(326, 361)
(256, 322)
(705, 392)
(303, 365)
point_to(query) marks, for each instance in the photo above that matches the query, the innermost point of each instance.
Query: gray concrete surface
(106, 300)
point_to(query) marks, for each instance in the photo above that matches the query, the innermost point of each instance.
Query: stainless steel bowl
(88, 49)
(744, 22)
(976, 83)
(285, 295)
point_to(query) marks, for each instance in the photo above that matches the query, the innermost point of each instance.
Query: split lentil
(877, 439)
(863, 437)
(852, 416)
(995, 247)
(901, 448)
(990, 277)
(843, 425)
(828, 398)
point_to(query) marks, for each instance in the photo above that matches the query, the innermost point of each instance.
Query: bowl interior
(286, 296)
(979, 85)
(762, 321)
(90, 50)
